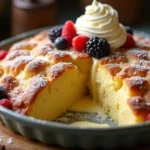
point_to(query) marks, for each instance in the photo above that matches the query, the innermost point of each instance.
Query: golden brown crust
(9, 83)
(24, 45)
(16, 53)
(58, 56)
(142, 41)
(42, 50)
(57, 70)
(137, 86)
(137, 54)
(35, 66)
(132, 70)
(117, 58)
(15, 66)
(24, 98)
(113, 69)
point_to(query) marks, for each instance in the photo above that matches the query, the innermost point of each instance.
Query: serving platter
(61, 134)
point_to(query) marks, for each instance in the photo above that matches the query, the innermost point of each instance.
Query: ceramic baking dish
(68, 136)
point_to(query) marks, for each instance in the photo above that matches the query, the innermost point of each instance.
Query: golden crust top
(56, 70)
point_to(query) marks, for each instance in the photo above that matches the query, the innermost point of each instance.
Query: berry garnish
(98, 47)
(69, 32)
(2, 92)
(61, 43)
(6, 103)
(79, 43)
(55, 33)
(147, 117)
(129, 30)
(130, 42)
(3, 54)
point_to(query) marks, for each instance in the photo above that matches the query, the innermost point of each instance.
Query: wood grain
(19, 142)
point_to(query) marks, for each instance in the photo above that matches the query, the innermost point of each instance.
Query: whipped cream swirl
(101, 20)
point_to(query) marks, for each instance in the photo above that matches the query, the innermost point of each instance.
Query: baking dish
(54, 133)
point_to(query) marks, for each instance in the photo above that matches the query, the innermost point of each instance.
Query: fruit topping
(69, 32)
(129, 30)
(147, 117)
(6, 103)
(98, 47)
(55, 33)
(79, 43)
(61, 43)
(130, 42)
(2, 92)
(3, 54)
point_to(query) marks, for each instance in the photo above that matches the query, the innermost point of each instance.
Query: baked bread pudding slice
(123, 85)
(42, 82)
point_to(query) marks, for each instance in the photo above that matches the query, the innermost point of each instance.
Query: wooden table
(12, 141)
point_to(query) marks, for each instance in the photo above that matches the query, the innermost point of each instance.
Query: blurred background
(18, 16)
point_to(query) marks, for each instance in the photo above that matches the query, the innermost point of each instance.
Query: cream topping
(101, 20)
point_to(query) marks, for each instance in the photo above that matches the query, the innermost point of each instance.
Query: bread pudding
(45, 74)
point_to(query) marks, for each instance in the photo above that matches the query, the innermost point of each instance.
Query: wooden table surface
(12, 141)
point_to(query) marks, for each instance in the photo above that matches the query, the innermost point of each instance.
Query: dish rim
(30, 121)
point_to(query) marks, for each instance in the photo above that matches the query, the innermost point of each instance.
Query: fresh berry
(147, 117)
(130, 42)
(69, 32)
(2, 92)
(61, 43)
(129, 30)
(3, 54)
(6, 103)
(79, 43)
(98, 47)
(55, 33)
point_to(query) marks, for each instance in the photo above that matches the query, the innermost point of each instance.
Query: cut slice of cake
(123, 83)
(43, 79)
(47, 97)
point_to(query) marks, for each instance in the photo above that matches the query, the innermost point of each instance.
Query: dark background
(69, 9)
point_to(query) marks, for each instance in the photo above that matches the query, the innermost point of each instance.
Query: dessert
(45, 74)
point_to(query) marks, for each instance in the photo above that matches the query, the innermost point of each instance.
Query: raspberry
(69, 32)
(79, 43)
(6, 103)
(98, 47)
(147, 117)
(130, 43)
(3, 54)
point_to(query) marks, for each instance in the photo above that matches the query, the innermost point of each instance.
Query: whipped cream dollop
(101, 20)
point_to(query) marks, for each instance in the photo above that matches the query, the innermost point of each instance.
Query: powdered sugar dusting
(59, 68)
(38, 81)
(142, 54)
(18, 61)
(11, 140)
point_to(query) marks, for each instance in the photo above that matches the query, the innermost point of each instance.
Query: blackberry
(61, 43)
(129, 30)
(55, 33)
(98, 47)
(2, 92)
